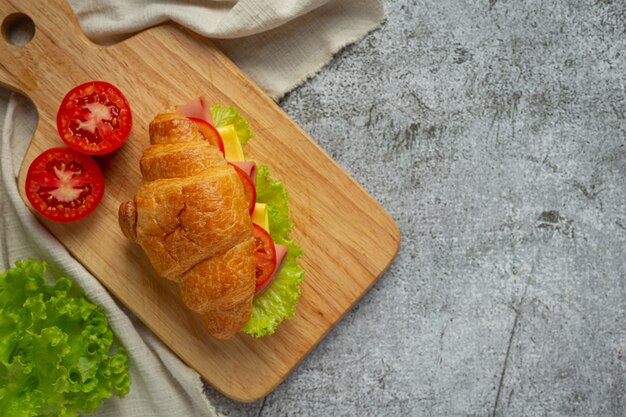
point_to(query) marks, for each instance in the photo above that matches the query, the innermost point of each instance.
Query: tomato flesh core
(265, 254)
(94, 118)
(64, 185)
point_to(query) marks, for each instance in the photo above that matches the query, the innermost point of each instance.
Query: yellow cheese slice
(260, 217)
(232, 147)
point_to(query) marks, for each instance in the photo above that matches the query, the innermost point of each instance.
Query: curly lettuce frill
(224, 116)
(279, 301)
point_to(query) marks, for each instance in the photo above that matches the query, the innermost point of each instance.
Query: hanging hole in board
(18, 29)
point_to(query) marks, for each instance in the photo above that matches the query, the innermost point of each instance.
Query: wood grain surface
(347, 238)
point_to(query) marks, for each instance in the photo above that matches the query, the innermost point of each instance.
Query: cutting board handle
(38, 67)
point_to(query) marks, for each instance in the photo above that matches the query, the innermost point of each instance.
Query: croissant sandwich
(214, 223)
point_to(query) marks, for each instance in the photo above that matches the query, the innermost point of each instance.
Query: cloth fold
(278, 45)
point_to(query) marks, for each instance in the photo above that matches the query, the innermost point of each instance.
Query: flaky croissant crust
(191, 218)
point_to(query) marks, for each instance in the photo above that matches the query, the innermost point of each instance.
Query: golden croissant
(191, 218)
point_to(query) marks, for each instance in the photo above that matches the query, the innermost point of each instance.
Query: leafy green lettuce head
(58, 356)
(279, 301)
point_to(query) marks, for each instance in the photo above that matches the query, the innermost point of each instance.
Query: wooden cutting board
(347, 238)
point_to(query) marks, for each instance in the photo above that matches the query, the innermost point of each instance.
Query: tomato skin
(248, 186)
(94, 118)
(64, 185)
(265, 255)
(209, 132)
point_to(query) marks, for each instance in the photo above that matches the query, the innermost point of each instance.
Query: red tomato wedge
(64, 185)
(94, 118)
(265, 254)
(248, 186)
(209, 132)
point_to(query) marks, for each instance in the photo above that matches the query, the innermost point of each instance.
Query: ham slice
(249, 167)
(281, 254)
(198, 108)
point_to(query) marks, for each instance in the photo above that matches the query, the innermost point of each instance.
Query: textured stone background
(494, 132)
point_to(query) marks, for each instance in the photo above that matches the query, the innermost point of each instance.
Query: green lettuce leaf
(58, 356)
(224, 116)
(279, 301)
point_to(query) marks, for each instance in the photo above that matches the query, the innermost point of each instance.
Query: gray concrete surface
(494, 132)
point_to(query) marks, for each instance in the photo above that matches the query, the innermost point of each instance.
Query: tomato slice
(209, 132)
(94, 118)
(265, 254)
(248, 186)
(64, 185)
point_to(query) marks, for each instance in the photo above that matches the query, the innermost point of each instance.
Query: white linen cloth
(278, 44)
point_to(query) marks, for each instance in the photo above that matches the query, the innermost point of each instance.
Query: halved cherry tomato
(94, 118)
(265, 254)
(64, 185)
(210, 133)
(248, 186)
